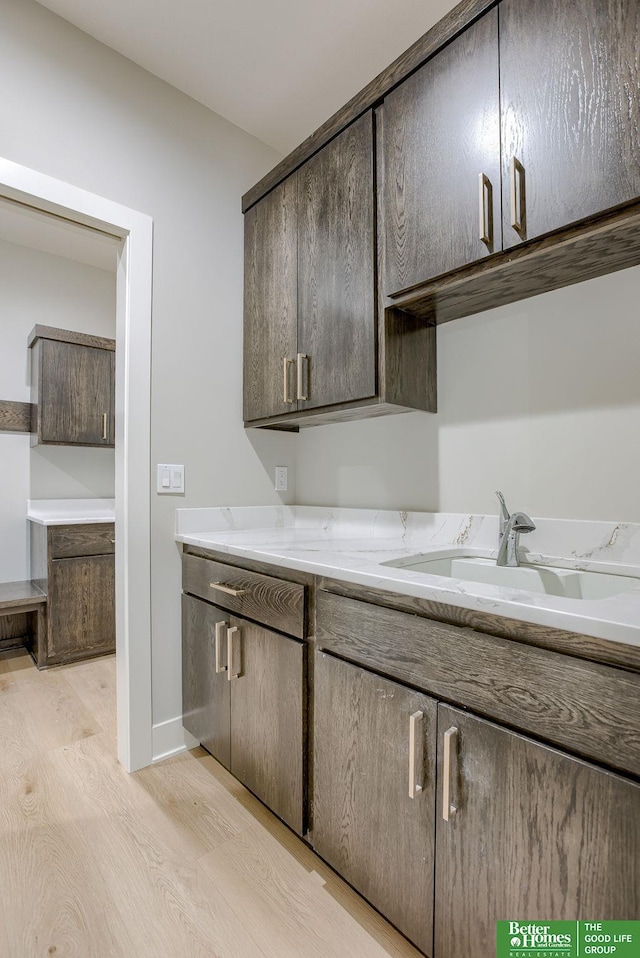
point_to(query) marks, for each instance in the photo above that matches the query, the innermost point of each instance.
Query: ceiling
(276, 68)
(35, 229)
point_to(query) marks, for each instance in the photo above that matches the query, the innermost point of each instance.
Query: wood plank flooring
(177, 860)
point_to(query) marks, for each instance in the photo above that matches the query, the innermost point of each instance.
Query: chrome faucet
(511, 525)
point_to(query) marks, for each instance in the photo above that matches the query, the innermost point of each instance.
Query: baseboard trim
(170, 738)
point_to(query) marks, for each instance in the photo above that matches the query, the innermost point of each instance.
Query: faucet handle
(504, 512)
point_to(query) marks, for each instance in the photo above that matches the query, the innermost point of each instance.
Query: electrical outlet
(281, 479)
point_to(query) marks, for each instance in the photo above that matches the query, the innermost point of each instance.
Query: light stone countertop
(351, 544)
(63, 512)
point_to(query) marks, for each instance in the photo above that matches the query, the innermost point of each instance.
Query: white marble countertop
(351, 544)
(63, 512)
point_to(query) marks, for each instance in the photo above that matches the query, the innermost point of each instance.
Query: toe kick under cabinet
(447, 821)
(75, 565)
(244, 678)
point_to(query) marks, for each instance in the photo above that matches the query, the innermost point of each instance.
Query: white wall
(535, 398)
(36, 287)
(540, 399)
(82, 113)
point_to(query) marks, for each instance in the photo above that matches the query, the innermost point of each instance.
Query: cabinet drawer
(583, 706)
(274, 602)
(81, 540)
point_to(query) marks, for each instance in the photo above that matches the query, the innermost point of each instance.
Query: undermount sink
(549, 580)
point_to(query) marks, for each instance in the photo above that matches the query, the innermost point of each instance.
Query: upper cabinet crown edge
(453, 23)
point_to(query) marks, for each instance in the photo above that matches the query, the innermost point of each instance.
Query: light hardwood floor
(174, 861)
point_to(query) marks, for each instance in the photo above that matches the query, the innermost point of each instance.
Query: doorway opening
(130, 235)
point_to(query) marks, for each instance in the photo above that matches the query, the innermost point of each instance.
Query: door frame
(133, 435)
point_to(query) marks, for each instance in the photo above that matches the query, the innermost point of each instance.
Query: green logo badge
(567, 939)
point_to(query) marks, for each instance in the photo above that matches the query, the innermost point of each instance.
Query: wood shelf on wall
(15, 416)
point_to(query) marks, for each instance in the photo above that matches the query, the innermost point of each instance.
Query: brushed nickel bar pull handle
(220, 627)
(302, 358)
(416, 752)
(516, 176)
(450, 769)
(220, 587)
(231, 672)
(485, 206)
(104, 425)
(286, 363)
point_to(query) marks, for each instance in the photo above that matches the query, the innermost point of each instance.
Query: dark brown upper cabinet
(570, 112)
(506, 146)
(313, 348)
(270, 302)
(439, 162)
(336, 280)
(309, 326)
(526, 123)
(72, 388)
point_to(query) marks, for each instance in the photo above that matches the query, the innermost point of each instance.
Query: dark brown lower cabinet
(244, 700)
(75, 566)
(536, 835)
(206, 691)
(81, 607)
(267, 710)
(375, 791)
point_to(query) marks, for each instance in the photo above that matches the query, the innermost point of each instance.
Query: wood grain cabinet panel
(82, 539)
(336, 281)
(206, 692)
(536, 834)
(309, 309)
(81, 607)
(582, 706)
(272, 601)
(72, 388)
(570, 92)
(244, 699)
(270, 302)
(267, 717)
(364, 822)
(316, 350)
(75, 565)
(519, 827)
(439, 131)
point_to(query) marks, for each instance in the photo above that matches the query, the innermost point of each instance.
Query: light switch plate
(170, 479)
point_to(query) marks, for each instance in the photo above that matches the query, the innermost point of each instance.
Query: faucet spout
(504, 513)
(511, 525)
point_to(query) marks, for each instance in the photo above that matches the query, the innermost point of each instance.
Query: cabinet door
(569, 81)
(336, 281)
(206, 696)
(267, 709)
(439, 133)
(364, 822)
(81, 607)
(537, 835)
(75, 394)
(111, 420)
(270, 302)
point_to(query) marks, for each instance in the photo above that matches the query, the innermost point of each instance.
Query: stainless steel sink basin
(549, 580)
